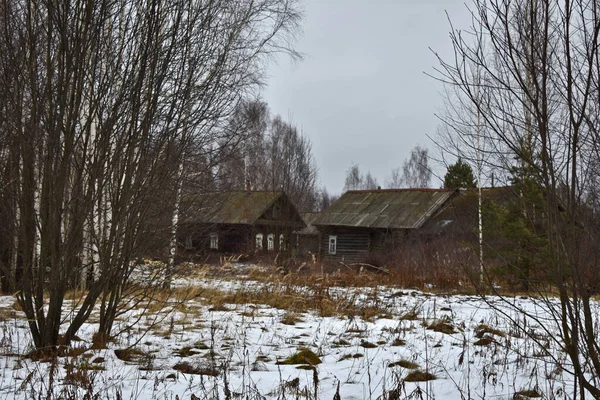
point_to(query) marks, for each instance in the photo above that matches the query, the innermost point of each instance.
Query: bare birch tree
(103, 102)
(527, 77)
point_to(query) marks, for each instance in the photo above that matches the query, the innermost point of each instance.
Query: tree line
(105, 105)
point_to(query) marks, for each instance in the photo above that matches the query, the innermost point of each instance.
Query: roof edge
(400, 190)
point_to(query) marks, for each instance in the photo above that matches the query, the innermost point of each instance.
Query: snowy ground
(236, 350)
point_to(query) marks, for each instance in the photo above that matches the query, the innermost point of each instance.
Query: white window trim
(259, 241)
(281, 242)
(271, 242)
(214, 241)
(189, 244)
(332, 240)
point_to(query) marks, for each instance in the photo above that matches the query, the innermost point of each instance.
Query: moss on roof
(385, 209)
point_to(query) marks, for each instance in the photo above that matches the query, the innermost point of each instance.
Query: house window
(332, 244)
(259, 241)
(271, 242)
(189, 245)
(281, 242)
(214, 241)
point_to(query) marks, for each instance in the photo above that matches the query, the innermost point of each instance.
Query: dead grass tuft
(290, 318)
(483, 329)
(367, 345)
(411, 315)
(419, 376)
(131, 355)
(443, 325)
(303, 356)
(100, 341)
(484, 341)
(186, 351)
(75, 294)
(351, 356)
(188, 368)
(17, 306)
(73, 351)
(404, 364)
(525, 394)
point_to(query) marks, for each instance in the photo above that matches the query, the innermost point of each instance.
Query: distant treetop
(459, 175)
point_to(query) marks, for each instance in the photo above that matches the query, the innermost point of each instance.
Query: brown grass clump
(404, 364)
(398, 342)
(419, 376)
(188, 368)
(78, 377)
(94, 366)
(17, 306)
(290, 318)
(341, 342)
(351, 356)
(367, 345)
(411, 315)
(73, 351)
(442, 325)
(7, 314)
(130, 355)
(186, 351)
(484, 341)
(304, 356)
(100, 341)
(483, 329)
(524, 394)
(75, 294)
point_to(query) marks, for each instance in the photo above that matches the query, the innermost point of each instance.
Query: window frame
(258, 241)
(281, 241)
(188, 243)
(214, 241)
(332, 240)
(270, 242)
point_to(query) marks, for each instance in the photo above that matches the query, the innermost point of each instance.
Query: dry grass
(292, 298)
(303, 356)
(131, 355)
(443, 325)
(367, 345)
(525, 394)
(419, 376)
(484, 341)
(351, 356)
(188, 368)
(290, 318)
(482, 330)
(404, 364)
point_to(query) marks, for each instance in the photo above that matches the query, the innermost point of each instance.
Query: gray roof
(232, 207)
(385, 209)
(309, 218)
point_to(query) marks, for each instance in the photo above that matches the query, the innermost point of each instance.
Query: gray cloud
(361, 94)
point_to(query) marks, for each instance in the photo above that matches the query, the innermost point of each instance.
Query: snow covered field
(227, 351)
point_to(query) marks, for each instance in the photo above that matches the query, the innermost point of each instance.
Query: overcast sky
(361, 94)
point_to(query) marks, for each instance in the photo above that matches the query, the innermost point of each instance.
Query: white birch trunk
(174, 225)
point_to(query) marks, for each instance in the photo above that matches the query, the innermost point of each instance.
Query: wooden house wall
(306, 244)
(385, 240)
(233, 238)
(353, 245)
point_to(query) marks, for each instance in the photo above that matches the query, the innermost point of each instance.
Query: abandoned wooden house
(307, 240)
(237, 222)
(459, 219)
(361, 222)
